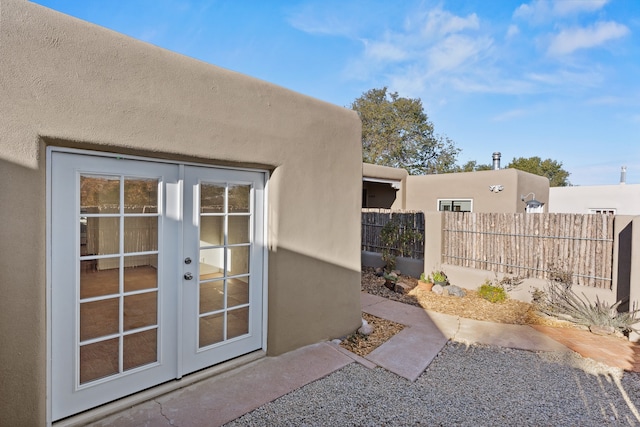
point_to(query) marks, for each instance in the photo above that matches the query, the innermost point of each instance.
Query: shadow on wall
(625, 240)
(321, 300)
(22, 286)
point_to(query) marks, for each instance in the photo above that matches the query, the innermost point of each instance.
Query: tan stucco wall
(66, 82)
(624, 198)
(424, 191)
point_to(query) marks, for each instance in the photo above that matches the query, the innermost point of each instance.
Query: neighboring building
(621, 199)
(160, 215)
(383, 186)
(501, 190)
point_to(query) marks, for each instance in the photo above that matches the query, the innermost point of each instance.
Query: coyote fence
(373, 220)
(532, 245)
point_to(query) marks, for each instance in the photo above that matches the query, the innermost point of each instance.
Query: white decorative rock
(365, 329)
(437, 289)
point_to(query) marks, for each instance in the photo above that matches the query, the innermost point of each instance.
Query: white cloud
(512, 31)
(539, 11)
(570, 40)
(440, 23)
(456, 50)
(385, 51)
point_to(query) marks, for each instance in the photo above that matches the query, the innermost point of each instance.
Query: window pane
(237, 322)
(239, 198)
(211, 296)
(99, 236)
(140, 310)
(99, 318)
(211, 329)
(211, 198)
(140, 234)
(211, 231)
(140, 272)
(99, 194)
(238, 262)
(211, 263)
(140, 195)
(140, 349)
(99, 360)
(237, 291)
(238, 229)
(95, 283)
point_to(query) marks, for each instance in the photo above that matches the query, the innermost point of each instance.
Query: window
(455, 205)
(602, 211)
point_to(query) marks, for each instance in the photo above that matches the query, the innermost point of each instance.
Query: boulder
(437, 289)
(455, 291)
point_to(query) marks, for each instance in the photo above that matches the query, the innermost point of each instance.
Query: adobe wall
(424, 191)
(69, 83)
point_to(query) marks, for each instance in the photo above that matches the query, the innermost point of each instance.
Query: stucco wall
(69, 83)
(382, 192)
(424, 191)
(624, 198)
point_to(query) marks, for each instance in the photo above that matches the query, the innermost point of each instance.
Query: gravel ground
(465, 386)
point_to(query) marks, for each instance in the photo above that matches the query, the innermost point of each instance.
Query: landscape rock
(366, 328)
(379, 272)
(455, 291)
(437, 289)
(403, 288)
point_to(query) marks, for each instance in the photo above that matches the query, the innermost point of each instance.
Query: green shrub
(492, 293)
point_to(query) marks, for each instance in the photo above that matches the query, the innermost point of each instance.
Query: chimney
(496, 161)
(623, 175)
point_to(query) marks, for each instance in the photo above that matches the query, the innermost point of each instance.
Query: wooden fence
(532, 245)
(373, 220)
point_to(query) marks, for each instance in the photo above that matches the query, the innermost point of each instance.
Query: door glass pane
(140, 272)
(211, 198)
(140, 349)
(99, 360)
(211, 296)
(239, 198)
(140, 195)
(211, 263)
(237, 291)
(238, 262)
(140, 310)
(96, 283)
(99, 236)
(99, 194)
(211, 231)
(140, 234)
(211, 329)
(238, 229)
(237, 322)
(99, 318)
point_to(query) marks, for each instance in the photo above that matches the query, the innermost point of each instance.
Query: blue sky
(557, 79)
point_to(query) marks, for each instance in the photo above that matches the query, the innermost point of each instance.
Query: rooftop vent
(623, 175)
(496, 161)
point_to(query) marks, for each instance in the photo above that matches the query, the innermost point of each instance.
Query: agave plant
(562, 302)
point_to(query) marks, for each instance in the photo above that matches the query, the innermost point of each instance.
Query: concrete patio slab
(410, 351)
(398, 312)
(505, 335)
(223, 398)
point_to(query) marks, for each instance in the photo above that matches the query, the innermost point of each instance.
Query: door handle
(188, 276)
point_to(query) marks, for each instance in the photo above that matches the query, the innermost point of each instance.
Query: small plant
(424, 278)
(492, 293)
(439, 278)
(562, 302)
(397, 239)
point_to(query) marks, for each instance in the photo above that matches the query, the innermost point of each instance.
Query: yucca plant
(561, 301)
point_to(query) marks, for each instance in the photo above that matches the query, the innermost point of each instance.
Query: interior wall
(69, 83)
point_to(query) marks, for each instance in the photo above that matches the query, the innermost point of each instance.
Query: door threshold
(103, 411)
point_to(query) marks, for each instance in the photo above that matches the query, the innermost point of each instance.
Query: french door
(156, 272)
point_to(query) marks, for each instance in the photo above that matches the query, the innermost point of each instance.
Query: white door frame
(49, 276)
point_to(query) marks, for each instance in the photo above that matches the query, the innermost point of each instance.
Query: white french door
(156, 272)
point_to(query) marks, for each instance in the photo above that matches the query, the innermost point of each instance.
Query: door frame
(48, 258)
